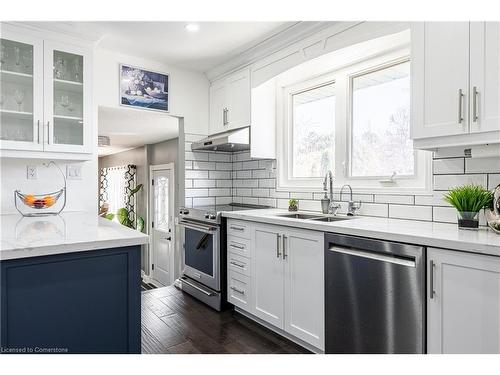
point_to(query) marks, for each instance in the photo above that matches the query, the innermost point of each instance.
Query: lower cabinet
(286, 283)
(463, 305)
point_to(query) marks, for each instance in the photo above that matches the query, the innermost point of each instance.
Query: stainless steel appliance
(375, 296)
(233, 140)
(204, 252)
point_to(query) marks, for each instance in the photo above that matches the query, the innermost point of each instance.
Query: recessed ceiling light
(192, 27)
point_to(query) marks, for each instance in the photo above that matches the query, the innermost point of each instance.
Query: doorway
(161, 221)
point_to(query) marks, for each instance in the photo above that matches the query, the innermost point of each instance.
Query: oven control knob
(184, 212)
(207, 216)
(211, 216)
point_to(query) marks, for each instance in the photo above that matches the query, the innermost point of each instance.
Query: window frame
(418, 184)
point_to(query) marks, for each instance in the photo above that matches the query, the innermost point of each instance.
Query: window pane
(313, 131)
(381, 141)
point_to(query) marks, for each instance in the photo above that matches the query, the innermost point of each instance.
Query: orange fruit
(49, 201)
(29, 200)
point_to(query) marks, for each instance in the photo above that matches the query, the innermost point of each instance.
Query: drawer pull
(239, 247)
(237, 228)
(238, 290)
(237, 264)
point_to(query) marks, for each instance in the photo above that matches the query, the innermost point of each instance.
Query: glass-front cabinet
(45, 96)
(21, 91)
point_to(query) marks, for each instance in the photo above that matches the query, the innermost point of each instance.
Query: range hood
(233, 140)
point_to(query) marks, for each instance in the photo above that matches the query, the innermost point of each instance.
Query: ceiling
(126, 128)
(212, 44)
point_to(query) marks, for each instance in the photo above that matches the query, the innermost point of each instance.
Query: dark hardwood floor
(175, 322)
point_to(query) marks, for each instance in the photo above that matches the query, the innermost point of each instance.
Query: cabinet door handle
(432, 265)
(284, 247)
(237, 246)
(460, 106)
(278, 238)
(38, 131)
(237, 228)
(238, 290)
(227, 117)
(48, 132)
(237, 264)
(475, 115)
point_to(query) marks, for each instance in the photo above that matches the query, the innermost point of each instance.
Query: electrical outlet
(31, 172)
(73, 172)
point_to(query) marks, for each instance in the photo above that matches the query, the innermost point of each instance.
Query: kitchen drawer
(239, 246)
(239, 289)
(238, 228)
(237, 263)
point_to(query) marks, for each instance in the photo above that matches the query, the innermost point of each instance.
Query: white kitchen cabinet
(230, 102)
(303, 253)
(45, 104)
(455, 84)
(288, 282)
(463, 303)
(268, 275)
(485, 76)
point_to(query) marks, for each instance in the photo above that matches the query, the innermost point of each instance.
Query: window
(313, 123)
(381, 144)
(349, 112)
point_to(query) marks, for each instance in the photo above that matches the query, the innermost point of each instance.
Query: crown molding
(280, 40)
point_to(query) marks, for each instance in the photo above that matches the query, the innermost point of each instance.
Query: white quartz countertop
(430, 234)
(23, 237)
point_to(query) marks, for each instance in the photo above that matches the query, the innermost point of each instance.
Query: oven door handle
(201, 228)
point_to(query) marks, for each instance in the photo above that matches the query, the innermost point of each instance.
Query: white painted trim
(152, 168)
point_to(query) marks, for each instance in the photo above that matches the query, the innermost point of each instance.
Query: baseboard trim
(280, 332)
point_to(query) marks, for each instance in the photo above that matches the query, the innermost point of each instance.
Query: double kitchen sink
(315, 217)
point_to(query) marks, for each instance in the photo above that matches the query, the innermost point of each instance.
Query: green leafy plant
(469, 198)
(123, 215)
(293, 202)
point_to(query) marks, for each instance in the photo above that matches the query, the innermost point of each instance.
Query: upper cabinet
(45, 102)
(230, 102)
(455, 83)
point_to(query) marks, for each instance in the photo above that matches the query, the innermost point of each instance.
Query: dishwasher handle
(382, 257)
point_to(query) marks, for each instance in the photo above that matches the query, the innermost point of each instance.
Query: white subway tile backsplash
(271, 202)
(298, 195)
(260, 192)
(188, 184)
(445, 182)
(435, 199)
(282, 203)
(266, 164)
(188, 165)
(224, 166)
(395, 199)
(225, 175)
(219, 192)
(204, 183)
(260, 173)
(200, 156)
(448, 166)
(244, 174)
(203, 165)
(196, 193)
(224, 183)
(247, 200)
(374, 209)
(310, 205)
(244, 192)
(216, 156)
(203, 201)
(254, 164)
(279, 194)
(444, 214)
(410, 212)
(192, 174)
(482, 165)
(223, 200)
(493, 181)
(238, 165)
(267, 183)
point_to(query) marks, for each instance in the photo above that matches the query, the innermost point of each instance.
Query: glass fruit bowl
(41, 204)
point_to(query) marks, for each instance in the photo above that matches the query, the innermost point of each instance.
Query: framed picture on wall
(145, 89)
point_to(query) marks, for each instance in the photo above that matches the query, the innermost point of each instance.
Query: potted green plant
(468, 200)
(124, 217)
(293, 205)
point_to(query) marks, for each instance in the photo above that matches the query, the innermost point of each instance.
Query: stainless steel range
(204, 256)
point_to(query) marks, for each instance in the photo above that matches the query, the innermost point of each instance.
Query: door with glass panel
(162, 223)
(67, 98)
(21, 92)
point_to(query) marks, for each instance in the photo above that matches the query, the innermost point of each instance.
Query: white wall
(188, 91)
(82, 194)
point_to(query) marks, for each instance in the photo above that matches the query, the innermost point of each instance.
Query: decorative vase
(468, 220)
(293, 208)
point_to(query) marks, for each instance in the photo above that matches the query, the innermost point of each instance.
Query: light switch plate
(31, 172)
(73, 172)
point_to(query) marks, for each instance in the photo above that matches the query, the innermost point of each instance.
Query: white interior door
(162, 222)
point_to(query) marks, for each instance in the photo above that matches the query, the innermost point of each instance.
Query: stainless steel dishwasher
(375, 296)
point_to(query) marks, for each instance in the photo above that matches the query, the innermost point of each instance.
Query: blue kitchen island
(69, 284)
